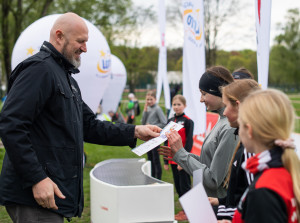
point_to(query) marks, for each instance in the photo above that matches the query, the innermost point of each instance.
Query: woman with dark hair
(219, 144)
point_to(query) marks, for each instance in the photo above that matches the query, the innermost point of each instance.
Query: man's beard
(69, 56)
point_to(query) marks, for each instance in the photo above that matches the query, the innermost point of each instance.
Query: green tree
(140, 63)
(236, 59)
(216, 13)
(250, 61)
(14, 16)
(285, 54)
(178, 65)
(222, 58)
(114, 18)
(173, 56)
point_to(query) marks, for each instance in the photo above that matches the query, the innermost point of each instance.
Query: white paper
(296, 137)
(197, 207)
(197, 177)
(152, 143)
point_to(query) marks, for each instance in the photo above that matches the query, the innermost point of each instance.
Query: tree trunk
(45, 8)
(5, 38)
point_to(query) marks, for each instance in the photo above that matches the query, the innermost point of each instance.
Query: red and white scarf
(264, 160)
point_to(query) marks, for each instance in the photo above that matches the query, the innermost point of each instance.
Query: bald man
(43, 124)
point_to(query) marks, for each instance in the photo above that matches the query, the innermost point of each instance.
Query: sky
(236, 34)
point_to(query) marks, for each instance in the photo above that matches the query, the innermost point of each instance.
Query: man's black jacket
(43, 124)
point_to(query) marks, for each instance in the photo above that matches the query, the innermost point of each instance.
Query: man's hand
(44, 191)
(146, 132)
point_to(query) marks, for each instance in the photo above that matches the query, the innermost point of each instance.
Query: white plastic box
(123, 191)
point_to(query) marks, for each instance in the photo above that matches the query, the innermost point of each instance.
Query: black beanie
(211, 84)
(241, 75)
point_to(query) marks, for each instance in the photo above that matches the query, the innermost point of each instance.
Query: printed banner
(263, 20)
(211, 120)
(194, 61)
(94, 75)
(162, 78)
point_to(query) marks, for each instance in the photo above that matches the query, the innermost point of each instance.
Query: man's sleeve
(24, 102)
(106, 133)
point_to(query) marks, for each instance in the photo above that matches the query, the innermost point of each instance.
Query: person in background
(173, 91)
(100, 115)
(153, 115)
(242, 73)
(182, 179)
(133, 108)
(43, 125)
(237, 179)
(218, 145)
(116, 117)
(274, 195)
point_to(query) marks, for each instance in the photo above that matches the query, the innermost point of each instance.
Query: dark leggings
(153, 156)
(182, 180)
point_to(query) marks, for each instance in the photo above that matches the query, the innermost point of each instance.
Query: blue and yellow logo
(104, 64)
(193, 26)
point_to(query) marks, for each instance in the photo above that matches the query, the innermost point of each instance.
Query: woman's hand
(166, 167)
(175, 141)
(213, 201)
(166, 152)
(175, 144)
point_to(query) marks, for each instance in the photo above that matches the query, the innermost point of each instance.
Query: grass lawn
(96, 154)
(296, 103)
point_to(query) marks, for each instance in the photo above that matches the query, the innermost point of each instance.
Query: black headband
(241, 75)
(211, 84)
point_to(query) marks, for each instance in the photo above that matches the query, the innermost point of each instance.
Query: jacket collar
(220, 111)
(59, 58)
(264, 160)
(236, 131)
(177, 116)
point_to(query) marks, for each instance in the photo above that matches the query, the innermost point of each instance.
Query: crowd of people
(248, 161)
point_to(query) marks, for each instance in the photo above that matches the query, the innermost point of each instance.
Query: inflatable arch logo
(103, 64)
(30, 51)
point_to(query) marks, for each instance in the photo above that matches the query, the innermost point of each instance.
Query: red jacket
(270, 198)
(186, 132)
